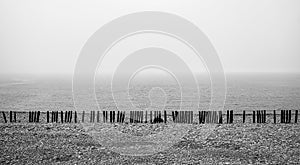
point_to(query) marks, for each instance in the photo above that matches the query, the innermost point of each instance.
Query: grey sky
(41, 36)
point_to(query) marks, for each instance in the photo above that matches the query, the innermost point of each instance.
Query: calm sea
(244, 92)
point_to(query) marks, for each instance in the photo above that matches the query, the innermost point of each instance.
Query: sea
(244, 91)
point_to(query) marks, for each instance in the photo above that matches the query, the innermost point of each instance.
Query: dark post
(282, 116)
(10, 116)
(123, 116)
(71, 113)
(75, 117)
(103, 116)
(220, 117)
(146, 117)
(47, 116)
(66, 116)
(231, 116)
(62, 116)
(29, 117)
(274, 116)
(296, 116)
(15, 116)
(130, 116)
(82, 116)
(38, 116)
(4, 117)
(253, 116)
(290, 116)
(244, 116)
(227, 116)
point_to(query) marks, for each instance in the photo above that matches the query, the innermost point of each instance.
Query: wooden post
(265, 116)
(98, 116)
(231, 116)
(48, 116)
(253, 116)
(192, 117)
(130, 116)
(173, 116)
(146, 117)
(75, 117)
(258, 116)
(296, 116)
(52, 116)
(282, 116)
(227, 116)
(15, 116)
(274, 116)
(244, 116)
(62, 116)
(29, 117)
(38, 116)
(10, 116)
(66, 116)
(220, 117)
(82, 116)
(123, 116)
(103, 116)
(4, 117)
(165, 116)
(290, 116)
(150, 116)
(71, 115)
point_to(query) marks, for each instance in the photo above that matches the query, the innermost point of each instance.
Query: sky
(45, 37)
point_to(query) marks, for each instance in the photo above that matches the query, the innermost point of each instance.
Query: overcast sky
(41, 36)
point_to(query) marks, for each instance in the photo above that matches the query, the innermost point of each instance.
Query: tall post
(296, 116)
(274, 116)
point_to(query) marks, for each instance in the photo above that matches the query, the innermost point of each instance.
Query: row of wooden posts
(259, 116)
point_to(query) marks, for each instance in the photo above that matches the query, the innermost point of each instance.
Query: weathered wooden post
(274, 116)
(265, 116)
(75, 117)
(220, 117)
(82, 116)
(47, 116)
(38, 116)
(10, 116)
(296, 116)
(290, 116)
(146, 117)
(227, 117)
(4, 117)
(150, 116)
(231, 116)
(165, 116)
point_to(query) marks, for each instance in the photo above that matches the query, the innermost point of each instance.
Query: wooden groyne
(152, 117)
